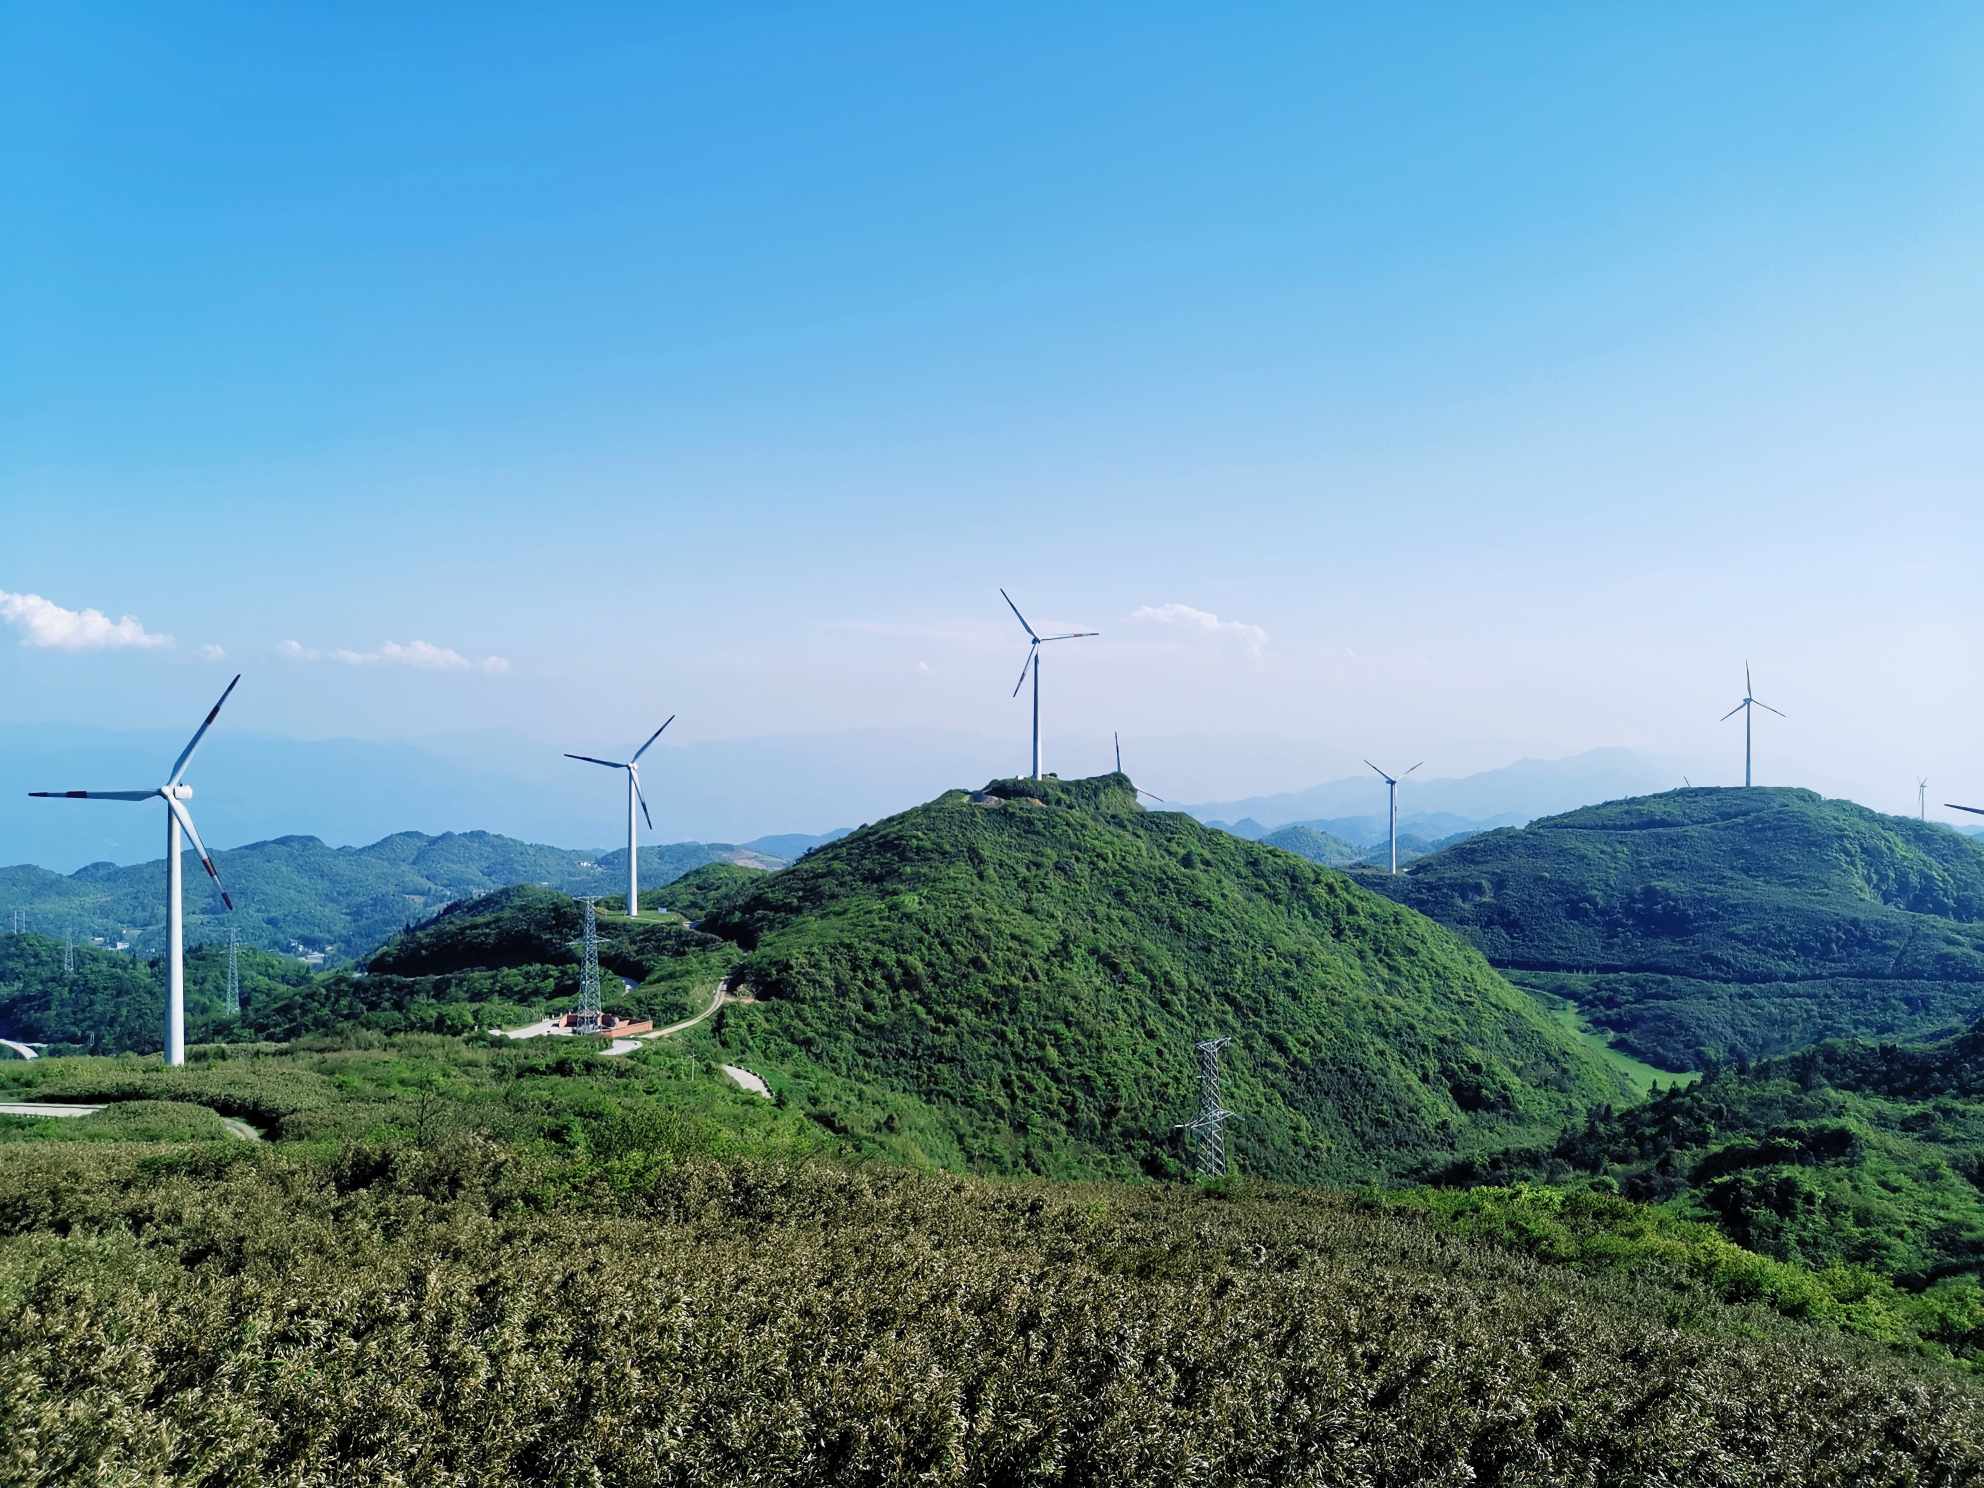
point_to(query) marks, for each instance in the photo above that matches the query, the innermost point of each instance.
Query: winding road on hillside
(236, 1127)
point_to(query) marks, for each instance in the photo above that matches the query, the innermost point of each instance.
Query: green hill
(1716, 924)
(1850, 1153)
(1013, 980)
(347, 899)
(1315, 845)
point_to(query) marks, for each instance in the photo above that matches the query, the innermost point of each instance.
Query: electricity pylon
(69, 951)
(590, 1014)
(1208, 1128)
(233, 973)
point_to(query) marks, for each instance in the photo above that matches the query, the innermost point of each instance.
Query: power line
(1208, 1128)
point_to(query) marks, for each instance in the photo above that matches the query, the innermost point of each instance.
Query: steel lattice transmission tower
(589, 1015)
(1208, 1128)
(69, 951)
(20, 922)
(233, 973)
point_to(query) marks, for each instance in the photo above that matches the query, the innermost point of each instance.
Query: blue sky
(1498, 377)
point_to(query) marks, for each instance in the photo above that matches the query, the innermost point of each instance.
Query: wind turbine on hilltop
(1747, 708)
(1133, 785)
(175, 793)
(1034, 642)
(1922, 795)
(1391, 789)
(633, 769)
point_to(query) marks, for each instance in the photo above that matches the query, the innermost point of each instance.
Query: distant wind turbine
(1034, 642)
(1747, 708)
(175, 793)
(1133, 785)
(1391, 788)
(1922, 795)
(633, 769)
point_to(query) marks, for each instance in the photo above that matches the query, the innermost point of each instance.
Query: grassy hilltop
(1019, 974)
(1721, 923)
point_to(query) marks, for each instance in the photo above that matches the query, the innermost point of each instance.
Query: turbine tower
(1034, 642)
(1747, 708)
(1208, 1128)
(633, 769)
(1391, 791)
(1133, 785)
(1922, 796)
(175, 793)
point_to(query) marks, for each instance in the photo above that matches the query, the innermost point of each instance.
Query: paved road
(21, 1049)
(722, 995)
(743, 1077)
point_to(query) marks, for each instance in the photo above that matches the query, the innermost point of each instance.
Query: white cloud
(1252, 637)
(211, 652)
(46, 626)
(423, 655)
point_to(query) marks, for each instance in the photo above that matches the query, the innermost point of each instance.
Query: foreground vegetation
(474, 1312)
(1704, 925)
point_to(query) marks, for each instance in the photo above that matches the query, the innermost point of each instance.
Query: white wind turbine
(175, 793)
(1034, 642)
(1391, 790)
(1747, 708)
(1133, 785)
(633, 769)
(1922, 796)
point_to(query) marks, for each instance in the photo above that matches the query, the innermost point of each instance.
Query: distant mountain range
(297, 889)
(1432, 807)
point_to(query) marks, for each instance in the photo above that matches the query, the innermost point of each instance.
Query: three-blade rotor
(1393, 779)
(1035, 640)
(631, 766)
(1750, 699)
(174, 793)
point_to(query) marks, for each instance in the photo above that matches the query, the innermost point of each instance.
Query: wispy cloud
(1183, 616)
(211, 652)
(45, 625)
(423, 655)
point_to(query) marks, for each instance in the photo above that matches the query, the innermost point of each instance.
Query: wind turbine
(175, 793)
(1034, 642)
(633, 769)
(1133, 785)
(1747, 708)
(1922, 795)
(1391, 786)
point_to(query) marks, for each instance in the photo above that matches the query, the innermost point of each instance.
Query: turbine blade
(610, 764)
(173, 804)
(186, 754)
(1766, 707)
(1408, 772)
(96, 795)
(1016, 613)
(1748, 686)
(651, 738)
(1023, 666)
(1734, 711)
(1973, 810)
(1159, 799)
(1381, 774)
(1073, 635)
(642, 799)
